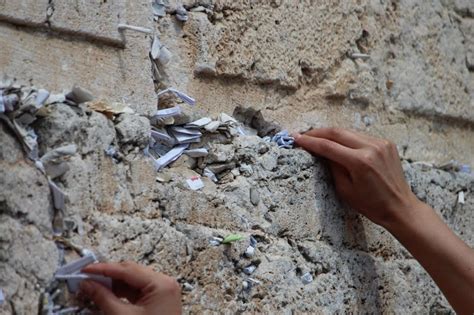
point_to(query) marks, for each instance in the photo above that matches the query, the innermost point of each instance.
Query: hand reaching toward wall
(147, 291)
(368, 175)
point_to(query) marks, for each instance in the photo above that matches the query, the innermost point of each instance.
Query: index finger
(328, 149)
(342, 136)
(131, 273)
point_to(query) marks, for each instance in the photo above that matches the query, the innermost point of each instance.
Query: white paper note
(186, 131)
(195, 183)
(171, 156)
(162, 135)
(200, 122)
(168, 112)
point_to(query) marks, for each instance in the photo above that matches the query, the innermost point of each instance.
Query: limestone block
(122, 75)
(467, 28)
(280, 43)
(28, 262)
(133, 129)
(99, 18)
(27, 12)
(462, 7)
(429, 71)
(28, 193)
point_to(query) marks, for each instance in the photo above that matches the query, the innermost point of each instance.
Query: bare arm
(448, 260)
(369, 177)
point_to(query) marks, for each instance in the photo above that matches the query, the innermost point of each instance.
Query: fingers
(129, 272)
(102, 297)
(123, 290)
(345, 137)
(328, 149)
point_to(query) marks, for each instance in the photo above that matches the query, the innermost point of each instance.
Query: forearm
(448, 260)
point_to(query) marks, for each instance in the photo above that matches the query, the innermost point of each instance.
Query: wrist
(407, 216)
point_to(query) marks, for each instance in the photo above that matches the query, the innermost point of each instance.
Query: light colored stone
(133, 129)
(104, 70)
(299, 224)
(254, 196)
(122, 74)
(90, 17)
(261, 42)
(416, 88)
(26, 195)
(432, 78)
(31, 12)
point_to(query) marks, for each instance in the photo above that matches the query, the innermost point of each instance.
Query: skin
(368, 176)
(146, 291)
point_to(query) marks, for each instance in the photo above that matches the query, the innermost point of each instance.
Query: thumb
(102, 297)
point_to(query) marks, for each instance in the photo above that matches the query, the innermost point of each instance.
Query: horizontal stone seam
(445, 119)
(61, 32)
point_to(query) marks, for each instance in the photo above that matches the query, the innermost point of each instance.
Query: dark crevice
(207, 75)
(465, 13)
(304, 253)
(459, 122)
(254, 119)
(44, 28)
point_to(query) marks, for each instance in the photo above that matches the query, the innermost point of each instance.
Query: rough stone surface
(28, 256)
(437, 67)
(262, 43)
(24, 11)
(80, 45)
(298, 222)
(31, 202)
(133, 129)
(290, 61)
(82, 16)
(416, 89)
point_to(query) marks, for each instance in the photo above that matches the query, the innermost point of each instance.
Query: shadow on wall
(343, 229)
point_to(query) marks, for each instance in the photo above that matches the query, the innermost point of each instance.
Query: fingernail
(296, 135)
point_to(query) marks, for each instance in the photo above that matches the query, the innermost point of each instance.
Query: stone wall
(291, 61)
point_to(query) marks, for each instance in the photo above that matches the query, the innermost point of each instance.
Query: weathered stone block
(98, 18)
(122, 75)
(428, 70)
(27, 12)
(279, 43)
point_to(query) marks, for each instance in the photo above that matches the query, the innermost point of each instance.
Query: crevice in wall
(60, 33)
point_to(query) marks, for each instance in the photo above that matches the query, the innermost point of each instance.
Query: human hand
(369, 177)
(147, 291)
(367, 172)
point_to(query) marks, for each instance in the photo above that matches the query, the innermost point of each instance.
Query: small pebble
(254, 196)
(246, 170)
